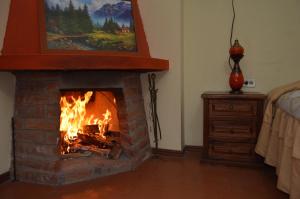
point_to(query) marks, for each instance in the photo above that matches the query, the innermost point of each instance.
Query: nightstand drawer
(234, 130)
(232, 108)
(231, 151)
(231, 127)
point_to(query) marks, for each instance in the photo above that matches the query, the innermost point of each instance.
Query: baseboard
(189, 148)
(167, 152)
(177, 153)
(4, 177)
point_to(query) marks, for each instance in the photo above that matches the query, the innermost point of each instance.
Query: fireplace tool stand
(153, 106)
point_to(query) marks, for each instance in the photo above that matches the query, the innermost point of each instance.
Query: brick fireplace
(37, 134)
(43, 75)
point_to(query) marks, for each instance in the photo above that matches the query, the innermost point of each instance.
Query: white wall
(7, 87)
(269, 30)
(163, 26)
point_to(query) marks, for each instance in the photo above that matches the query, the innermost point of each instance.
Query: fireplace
(42, 154)
(53, 145)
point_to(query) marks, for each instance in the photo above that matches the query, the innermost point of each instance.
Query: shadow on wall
(7, 94)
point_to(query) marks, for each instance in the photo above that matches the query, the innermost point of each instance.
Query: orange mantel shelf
(81, 62)
(24, 46)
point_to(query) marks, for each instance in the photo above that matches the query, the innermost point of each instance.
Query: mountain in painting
(126, 15)
(120, 12)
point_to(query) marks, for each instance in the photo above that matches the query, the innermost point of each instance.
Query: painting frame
(140, 38)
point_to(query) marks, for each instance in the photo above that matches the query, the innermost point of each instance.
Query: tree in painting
(105, 25)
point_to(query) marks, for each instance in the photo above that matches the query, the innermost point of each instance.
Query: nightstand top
(228, 95)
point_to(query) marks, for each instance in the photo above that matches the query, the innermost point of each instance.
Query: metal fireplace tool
(153, 106)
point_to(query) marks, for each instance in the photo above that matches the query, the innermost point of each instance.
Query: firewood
(91, 129)
(74, 148)
(76, 155)
(84, 148)
(112, 134)
(93, 140)
(63, 145)
(93, 143)
(101, 152)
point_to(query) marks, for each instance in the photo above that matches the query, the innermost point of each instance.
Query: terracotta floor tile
(162, 178)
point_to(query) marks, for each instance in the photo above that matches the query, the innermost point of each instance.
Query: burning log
(93, 143)
(84, 151)
(94, 140)
(112, 134)
(94, 129)
(76, 155)
(91, 129)
(63, 145)
(94, 149)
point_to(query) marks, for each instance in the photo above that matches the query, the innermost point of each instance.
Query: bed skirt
(279, 144)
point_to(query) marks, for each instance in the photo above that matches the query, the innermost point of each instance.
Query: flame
(73, 117)
(102, 124)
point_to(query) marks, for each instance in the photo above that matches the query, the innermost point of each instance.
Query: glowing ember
(73, 117)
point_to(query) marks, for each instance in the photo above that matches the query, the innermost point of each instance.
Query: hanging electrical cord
(231, 32)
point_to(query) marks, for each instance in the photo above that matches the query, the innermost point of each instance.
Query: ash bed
(279, 139)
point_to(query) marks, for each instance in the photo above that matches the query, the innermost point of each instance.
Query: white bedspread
(290, 102)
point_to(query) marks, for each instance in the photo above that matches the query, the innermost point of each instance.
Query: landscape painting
(90, 25)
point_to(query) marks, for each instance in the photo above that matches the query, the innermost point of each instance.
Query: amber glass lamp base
(236, 80)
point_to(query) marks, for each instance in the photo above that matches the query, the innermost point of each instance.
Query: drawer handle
(231, 107)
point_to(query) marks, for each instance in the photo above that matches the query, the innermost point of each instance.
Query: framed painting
(88, 26)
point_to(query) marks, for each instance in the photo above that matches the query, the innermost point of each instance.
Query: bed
(279, 139)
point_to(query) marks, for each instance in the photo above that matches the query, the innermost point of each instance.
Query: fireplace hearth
(42, 154)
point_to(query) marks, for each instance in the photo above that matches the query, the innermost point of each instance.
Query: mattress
(290, 103)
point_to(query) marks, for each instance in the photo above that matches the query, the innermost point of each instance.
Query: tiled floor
(162, 178)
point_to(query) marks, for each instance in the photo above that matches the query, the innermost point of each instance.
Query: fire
(73, 117)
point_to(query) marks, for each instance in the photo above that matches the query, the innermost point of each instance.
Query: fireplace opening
(89, 124)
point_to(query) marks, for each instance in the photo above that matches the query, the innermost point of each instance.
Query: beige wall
(6, 113)
(6, 100)
(164, 34)
(163, 27)
(4, 5)
(269, 30)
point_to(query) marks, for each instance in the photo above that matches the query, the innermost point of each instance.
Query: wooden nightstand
(231, 126)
